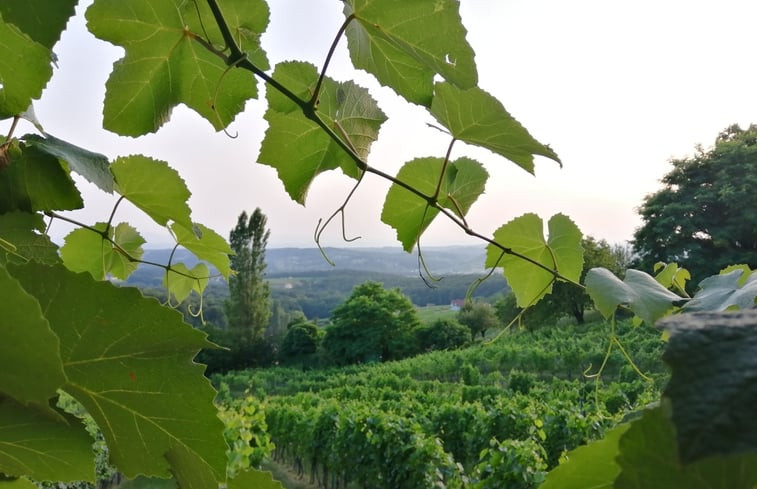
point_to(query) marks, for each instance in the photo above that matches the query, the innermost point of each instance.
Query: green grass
(430, 314)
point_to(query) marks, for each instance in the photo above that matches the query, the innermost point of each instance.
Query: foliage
(442, 334)
(702, 218)
(248, 307)
(478, 316)
(246, 433)
(300, 343)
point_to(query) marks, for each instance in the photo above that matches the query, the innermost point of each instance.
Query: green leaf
(639, 291)
(36, 445)
(190, 471)
(92, 166)
(24, 240)
(28, 345)
(180, 281)
(87, 251)
(165, 65)
(24, 69)
(524, 235)
(254, 478)
(405, 44)
(297, 147)
(20, 483)
(713, 357)
(128, 360)
(672, 276)
(589, 466)
(206, 245)
(649, 460)
(463, 182)
(143, 482)
(35, 181)
(154, 187)
(41, 20)
(476, 117)
(721, 292)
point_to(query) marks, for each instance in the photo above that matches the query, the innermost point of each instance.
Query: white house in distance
(456, 304)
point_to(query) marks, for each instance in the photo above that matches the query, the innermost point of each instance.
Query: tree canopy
(705, 216)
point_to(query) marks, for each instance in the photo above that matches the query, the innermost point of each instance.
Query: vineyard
(498, 414)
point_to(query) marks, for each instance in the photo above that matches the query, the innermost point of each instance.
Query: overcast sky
(616, 88)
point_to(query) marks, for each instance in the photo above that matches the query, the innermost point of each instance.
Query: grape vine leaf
(206, 245)
(644, 295)
(476, 117)
(35, 181)
(713, 362)
(463, 182)
(25, 68)
(87, 251)
(405, 44)
(254, 478)
(28, 345)
(649, 460)
(46, 449)
(524, 235)
(22, 232)
(670, 275)
(92, 166)
(20, 483)
(128, 361)
(297, 147)
(154, 187)
(180, 281)
(165, 65)
(591, 465)
(41, 20)
(734, 289)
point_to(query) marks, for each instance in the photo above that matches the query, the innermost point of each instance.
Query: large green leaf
(639, 291)
(87, 251)
(589, 466)
(297, 147)
(45, 448)
(462, 183)
(254, 478)
(165, 66)
(649, 460)
(92, 166)
(25, 68)
(35, 181)
(128, 360)
(524, 235)
(41, 20)
(206, 245)
(20, 483)
(23, 238)
(734, 289)
(405, 44)
(154, 187)
(28, 345)
(713, 357)
(476, 117)
(180, 281)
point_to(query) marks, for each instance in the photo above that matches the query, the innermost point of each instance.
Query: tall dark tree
(705, 216)
(249, 308)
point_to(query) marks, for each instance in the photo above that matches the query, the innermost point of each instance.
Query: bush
(442, 334)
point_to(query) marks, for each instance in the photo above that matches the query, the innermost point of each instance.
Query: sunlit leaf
(20, 483)
(297, 147)
(524, 235)
(209, 246)
(34, 444)
(27, 344)
(165, 65)
(92, 166)
(713, 357)
(463, 182)
(670, 275)
(23, 234)
(180, 281)
(405, 44)
(154, 187)
(639, 291)
(35, 181)
(476, 117)
(87, 251)
(734, 289)
(128, 360)
(25, 68)
(41, 20)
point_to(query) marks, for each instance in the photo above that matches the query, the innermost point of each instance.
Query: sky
(617, 89)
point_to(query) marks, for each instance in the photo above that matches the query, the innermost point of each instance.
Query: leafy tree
(705, 216)
(373, 324)
(442, 334)
(248, 307)
(300, 343)
(478, 317)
